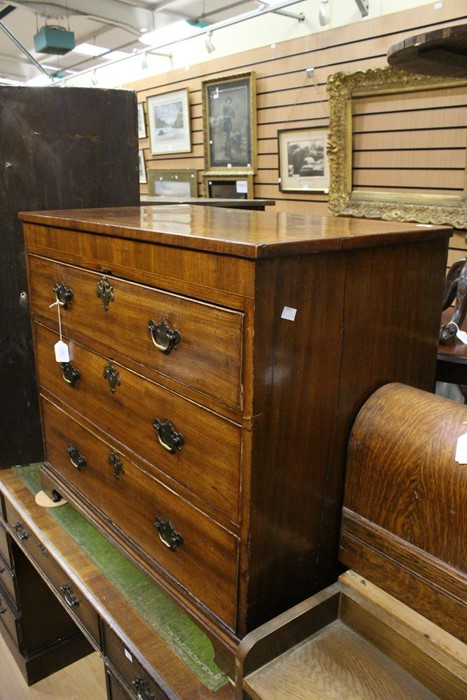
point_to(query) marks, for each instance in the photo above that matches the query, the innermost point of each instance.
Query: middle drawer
(178, 541)
(206, 458)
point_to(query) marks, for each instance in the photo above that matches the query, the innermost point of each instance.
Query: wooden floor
(83, 680)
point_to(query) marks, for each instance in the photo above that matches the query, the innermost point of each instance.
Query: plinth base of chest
(224, 642)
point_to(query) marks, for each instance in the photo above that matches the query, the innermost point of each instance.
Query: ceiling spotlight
(324, 13)
(209, 45)
(363, 7)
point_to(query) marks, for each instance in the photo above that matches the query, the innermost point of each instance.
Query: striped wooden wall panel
(288, 98)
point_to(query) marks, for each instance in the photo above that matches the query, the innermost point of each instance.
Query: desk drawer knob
(20, 531)
(168, 436)
(168, 534)
(163, 336)
(68, 596)
(63, 294)
(76, 458)
(143, 691)
(70, 374)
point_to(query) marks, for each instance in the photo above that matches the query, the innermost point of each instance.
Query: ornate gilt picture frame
(411, 203)
(229, 124)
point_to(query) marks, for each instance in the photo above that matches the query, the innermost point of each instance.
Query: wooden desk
(139, 662)
(259, 204)
(439, 52)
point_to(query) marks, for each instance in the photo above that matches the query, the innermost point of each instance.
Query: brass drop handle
(63, 294)
(76, 458)
(163, 336)
(168, 534)
(168, 436)
(142, 689)
(20, 531)
(68, 596)
(70, 374)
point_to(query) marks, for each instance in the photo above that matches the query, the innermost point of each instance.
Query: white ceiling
(112, 24)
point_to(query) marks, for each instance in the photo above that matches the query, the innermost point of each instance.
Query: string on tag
(61, 349)
(58, 305)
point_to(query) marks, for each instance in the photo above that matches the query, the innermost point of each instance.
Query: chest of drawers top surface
(249, 234)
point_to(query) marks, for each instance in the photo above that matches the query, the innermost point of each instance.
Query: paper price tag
(288, 313)
(61, 352)
(462, 335)
(461, 449)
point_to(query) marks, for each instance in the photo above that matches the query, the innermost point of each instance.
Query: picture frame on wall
(303, 162)
(229, 123)
(182, 184)
(141, 121)
(228, 186)
(169, 122)
(142, 167)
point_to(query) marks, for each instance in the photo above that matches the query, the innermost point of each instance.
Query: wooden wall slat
(453, 138)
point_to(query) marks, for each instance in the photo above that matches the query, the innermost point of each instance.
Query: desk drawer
(70, 596)
(142, 685)
(7, 579)
(206, 357)
(179, 540)
(10, 619)
(5, 547)
(126, 405)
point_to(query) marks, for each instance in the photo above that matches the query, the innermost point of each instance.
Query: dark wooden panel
(57, 151)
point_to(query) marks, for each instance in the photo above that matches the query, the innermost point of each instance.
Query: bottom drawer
(10, 620)
(81, 610)
(180, 541)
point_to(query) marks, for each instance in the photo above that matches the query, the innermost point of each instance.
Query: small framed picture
(173, 183)
(142, 167)
(169, 122)
(303, 163)
(228, 186)
(229, 123)
(141, 121)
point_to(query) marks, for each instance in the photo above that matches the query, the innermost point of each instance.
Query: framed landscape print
(141, 121)
(303, 164)
(173, 183)
(169, 122)
(229, 124)
(142, 167)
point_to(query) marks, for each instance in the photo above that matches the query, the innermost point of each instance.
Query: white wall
(266, 30)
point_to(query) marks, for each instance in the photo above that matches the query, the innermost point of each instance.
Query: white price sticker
(461, 449)
(61, 352)
(288, 313)
(462, 335)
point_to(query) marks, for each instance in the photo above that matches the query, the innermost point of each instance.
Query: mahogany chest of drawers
(216, 362)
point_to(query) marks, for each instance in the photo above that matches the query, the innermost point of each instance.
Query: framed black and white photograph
(142, 168)
(169, 122)
(141, 121)
(229, 123)
(303, 163)
(181, 184)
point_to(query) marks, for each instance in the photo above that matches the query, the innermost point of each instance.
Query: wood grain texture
(405, 502)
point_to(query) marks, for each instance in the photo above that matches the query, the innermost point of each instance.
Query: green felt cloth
(178, 630)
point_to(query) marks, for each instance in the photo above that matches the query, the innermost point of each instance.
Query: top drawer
(196, 344)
